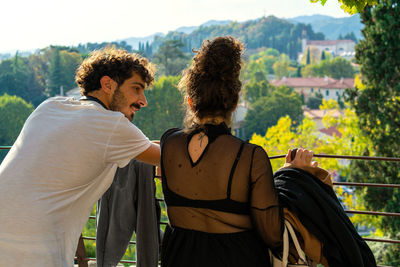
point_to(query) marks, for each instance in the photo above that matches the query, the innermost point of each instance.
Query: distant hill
(332, 27)
(134, 41)
(190, 29)
(268, 31)
(281, 34)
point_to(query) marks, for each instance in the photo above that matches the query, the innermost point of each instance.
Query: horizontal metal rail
(94, 218)
(381, 240)
(367, 184)
(344, 157)
(121, 261)
(94, 239)
(376, 213)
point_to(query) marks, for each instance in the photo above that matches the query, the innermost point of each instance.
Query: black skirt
(190, 248)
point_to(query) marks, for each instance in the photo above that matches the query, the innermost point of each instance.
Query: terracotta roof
(318, 113)
(331, 131)
(326, 82)
(344, 83)
(328, 42)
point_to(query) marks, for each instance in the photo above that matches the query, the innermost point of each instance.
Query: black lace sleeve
(265, 208)
(166, 134)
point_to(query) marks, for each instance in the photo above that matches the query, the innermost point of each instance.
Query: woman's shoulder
(257, 150)
(170, 132)
(248, 144)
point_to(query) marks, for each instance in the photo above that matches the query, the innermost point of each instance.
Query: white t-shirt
(64, 159)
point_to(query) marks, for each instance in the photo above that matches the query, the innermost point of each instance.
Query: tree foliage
(255, 90)
(170, 58)
(336, 68)
(40, 75)
(13, 113)
(282, 67)
(18, 77)
(351, 6)
(313, 56)
(314, 100)
(287, 134)
(348, 36)
(86, 48)
(267, 110)
(164, 108)
(260, 65)
(63, 64)
(376, 100)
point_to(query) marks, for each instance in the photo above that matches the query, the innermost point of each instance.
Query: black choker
(212, 130)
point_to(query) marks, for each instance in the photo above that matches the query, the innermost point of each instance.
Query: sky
(32, 24)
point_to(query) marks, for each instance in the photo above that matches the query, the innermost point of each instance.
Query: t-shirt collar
(92, 98)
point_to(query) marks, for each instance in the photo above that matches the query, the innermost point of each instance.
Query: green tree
(260, 65)
(61, 72)
(165, 108)
(255, 90)
(267, 110)
(350, 36)
(376, 99)
(70, 60)
(171, 58)
(17, 77)
(308, 59)
(13, 113)
(55, 78)
(314, 100)
(313, 56)
(282, 67)
(336, 68)
(287, 134)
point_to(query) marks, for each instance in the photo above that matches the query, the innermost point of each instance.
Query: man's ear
(107, 84)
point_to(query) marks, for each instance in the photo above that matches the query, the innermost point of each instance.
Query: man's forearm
(151, 155)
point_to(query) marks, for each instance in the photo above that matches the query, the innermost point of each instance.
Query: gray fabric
(128, 205)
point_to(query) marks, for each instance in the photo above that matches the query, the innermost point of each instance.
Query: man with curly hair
(66, 157)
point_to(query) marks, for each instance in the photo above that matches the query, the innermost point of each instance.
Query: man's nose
(143, 101)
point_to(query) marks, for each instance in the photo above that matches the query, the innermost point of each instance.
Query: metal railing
(81, 254)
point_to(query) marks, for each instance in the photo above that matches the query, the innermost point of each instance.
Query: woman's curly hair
(212, 82)
(118, 64)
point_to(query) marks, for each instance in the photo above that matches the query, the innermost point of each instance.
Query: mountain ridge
(331, 27)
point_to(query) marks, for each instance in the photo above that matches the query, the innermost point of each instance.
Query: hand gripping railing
(391, 214)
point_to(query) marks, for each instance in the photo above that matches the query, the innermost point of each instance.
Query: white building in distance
(330, 88)
(338, 48)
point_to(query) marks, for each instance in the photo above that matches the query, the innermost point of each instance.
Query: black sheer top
(228, 189)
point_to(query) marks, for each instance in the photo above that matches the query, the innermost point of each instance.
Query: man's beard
(118, 102)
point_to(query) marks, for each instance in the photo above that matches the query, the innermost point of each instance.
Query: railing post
(81, 253)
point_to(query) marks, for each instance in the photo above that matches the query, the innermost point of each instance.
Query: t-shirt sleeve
(265, 210)
(126, 142)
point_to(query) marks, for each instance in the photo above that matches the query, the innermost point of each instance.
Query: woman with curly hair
(221, 200)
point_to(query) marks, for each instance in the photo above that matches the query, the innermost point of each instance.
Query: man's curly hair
(212, 82)
(118, 64)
